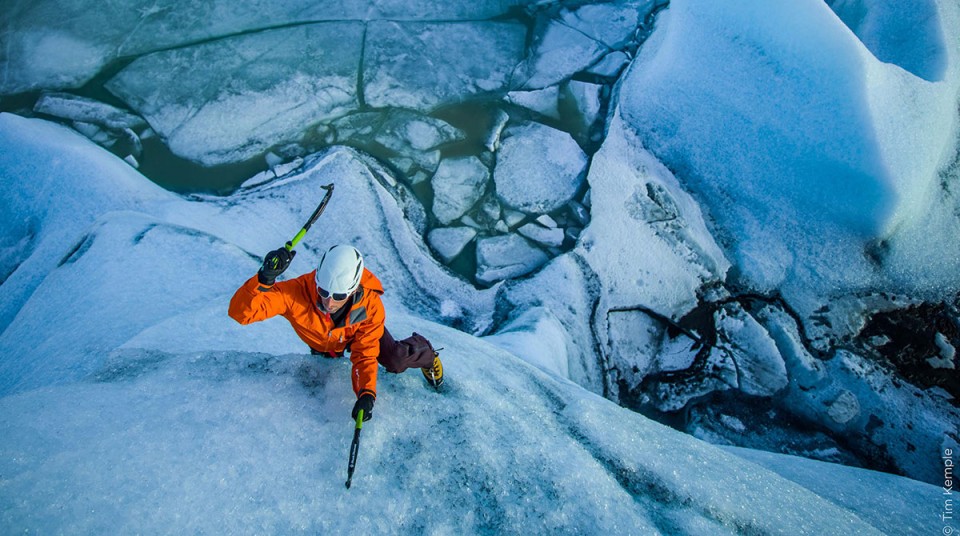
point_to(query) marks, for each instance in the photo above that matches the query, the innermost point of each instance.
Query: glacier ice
(841, 162)
(255, 91)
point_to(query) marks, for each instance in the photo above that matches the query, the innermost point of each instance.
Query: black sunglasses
(337, 296)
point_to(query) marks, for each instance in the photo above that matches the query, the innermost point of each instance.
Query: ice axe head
(313, 217)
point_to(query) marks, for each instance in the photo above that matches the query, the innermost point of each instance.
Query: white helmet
(339, 270)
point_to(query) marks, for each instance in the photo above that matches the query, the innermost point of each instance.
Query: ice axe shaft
(354, 448)
(313, 217)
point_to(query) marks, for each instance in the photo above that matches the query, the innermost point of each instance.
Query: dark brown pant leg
(397, 356)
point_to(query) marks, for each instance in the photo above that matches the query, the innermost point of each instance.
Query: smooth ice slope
(790, 131)
(191, 423)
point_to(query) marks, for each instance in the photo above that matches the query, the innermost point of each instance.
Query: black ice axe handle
(313, 217)
(354, 448)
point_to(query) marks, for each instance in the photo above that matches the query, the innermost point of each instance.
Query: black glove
(274, 264)
(365, 402)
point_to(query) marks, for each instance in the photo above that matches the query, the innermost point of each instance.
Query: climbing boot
(434, 374)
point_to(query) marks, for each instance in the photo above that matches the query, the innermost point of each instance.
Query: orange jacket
(298, 302)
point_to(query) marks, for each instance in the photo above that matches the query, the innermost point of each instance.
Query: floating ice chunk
(804, 370)
(559, 53)
(546, 221)
(424, 65)
(947, 354)
(633, 338)
(272, 159)
(610, 65)
(586, 98)
(543, 101)
(76, 108)
(613, 24)
(539, 168)
(659, 265)
(449, 242)
(492, 141)
(403, 130)
(255, 90)
(513, 217)
(540, 234)
(457, 185)
(505, 257)
(259, 178)
(42, 57)
(287, 167)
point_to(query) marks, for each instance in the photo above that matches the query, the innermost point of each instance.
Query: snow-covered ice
(647, 239)
(816, 186)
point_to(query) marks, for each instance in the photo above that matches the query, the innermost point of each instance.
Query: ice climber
(335, 309)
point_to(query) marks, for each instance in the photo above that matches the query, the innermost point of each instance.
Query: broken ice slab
(586, 98)
(542, 101)
(542, 235)
(76, 108)
(254, 90)
(492, 140)
(457, 185)
(539, 168)
(613, 24)
(449, 242)
(610, 65)
(403, 130)
(425, 65)
(507, 256)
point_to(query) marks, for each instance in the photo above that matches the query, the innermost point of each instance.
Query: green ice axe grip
(354, 447)
(313, 217)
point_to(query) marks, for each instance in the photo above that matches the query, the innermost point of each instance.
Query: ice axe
(313, 217)
(354, 448)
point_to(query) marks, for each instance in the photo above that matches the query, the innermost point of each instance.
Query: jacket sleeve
(253, 302)
(365, 349)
